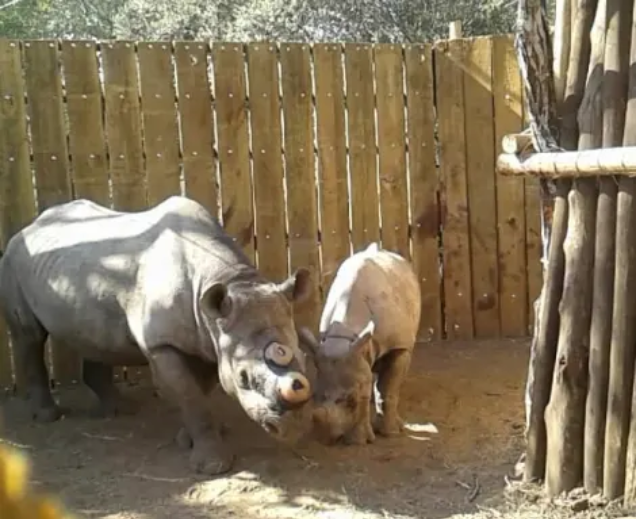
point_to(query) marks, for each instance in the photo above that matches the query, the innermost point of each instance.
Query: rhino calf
(368, 329)
(165, 287)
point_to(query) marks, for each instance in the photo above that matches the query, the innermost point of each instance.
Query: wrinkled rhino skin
(368, 330)
(165, 287)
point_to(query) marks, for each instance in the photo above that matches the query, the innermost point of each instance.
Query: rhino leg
(171, 372)
(28, 339)
(391, 375)
(207, 377)
(99, 378)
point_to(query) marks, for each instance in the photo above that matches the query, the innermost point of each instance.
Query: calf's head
(260, 363)
(344, 379)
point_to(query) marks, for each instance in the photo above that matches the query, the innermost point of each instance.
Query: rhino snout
(294, 388)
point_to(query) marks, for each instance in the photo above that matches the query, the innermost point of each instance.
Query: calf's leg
(391, 375)
(171, 372)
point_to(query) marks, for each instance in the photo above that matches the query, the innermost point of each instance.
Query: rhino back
(376, 285)
(91, 274)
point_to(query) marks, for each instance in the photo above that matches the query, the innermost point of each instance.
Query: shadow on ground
(464, 402)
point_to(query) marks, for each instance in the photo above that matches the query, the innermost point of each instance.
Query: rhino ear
(363, 337)
(298, 287)
(216, 301)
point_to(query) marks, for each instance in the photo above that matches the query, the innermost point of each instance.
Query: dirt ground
(463, 401)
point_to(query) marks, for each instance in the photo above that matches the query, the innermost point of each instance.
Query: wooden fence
(306, 153)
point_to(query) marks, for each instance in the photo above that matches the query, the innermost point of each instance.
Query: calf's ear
(216, 301)
(298, 287)
(363, 338)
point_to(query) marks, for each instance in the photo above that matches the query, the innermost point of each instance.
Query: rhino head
(344, 380)
(259, 360)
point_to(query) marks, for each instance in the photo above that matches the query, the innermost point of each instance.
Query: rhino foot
(360, 435)
(47, 414)
(388, 426)
(209, 460)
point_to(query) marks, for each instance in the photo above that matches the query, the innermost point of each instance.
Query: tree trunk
(577, 69)
(535, 58)
(565, 411)
(616, 317)
(591, 134)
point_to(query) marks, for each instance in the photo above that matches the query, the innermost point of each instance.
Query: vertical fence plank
(332, 159)
(51, 158)
(453, 167)
(234, 148)
(267, 161)
(123, 126)
(197, 124)
(425, 221)
(124, 136)
(296, 82)
(478, 100)
(362, 145)
(161, 134)
(87, 141)
(17, 199)
(392, 174)
(507, 92)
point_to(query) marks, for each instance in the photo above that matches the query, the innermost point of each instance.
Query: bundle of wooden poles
(581, 382)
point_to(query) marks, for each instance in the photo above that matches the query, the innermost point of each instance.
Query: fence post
(455, 30)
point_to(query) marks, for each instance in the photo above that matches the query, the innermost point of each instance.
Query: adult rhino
(165, 287)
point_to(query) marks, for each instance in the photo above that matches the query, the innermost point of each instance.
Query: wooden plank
(234, 148)
(197, 124)
(392, 174)
(362, 145)
(161, 133)
(425, 217)
(123, 129)
(296, 82)
(478, 101)
(267, 162)
(87, 139)
(17, 203)
(507, 92)
(51, 158)
(123, 126)
(332, 160)
(455, 220)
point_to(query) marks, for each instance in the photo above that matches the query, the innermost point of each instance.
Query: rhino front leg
(171, 372)
(28, 352)
(99, 378)
(390, 379)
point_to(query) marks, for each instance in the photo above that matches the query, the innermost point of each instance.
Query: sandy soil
(464, 402)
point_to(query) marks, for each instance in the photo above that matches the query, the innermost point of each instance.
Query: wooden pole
(591, 134)
(622, 209)
(565, 410)
(561, 47)
(455, 30)
(619, 161)
(629, 486)
(535, 58)
(577, 71)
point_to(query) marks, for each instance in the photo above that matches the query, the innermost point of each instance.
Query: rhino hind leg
(99, 378)
(28, 341)
(171, 372)
(391, 375)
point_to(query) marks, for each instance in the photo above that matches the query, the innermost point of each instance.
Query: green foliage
(241, 20)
